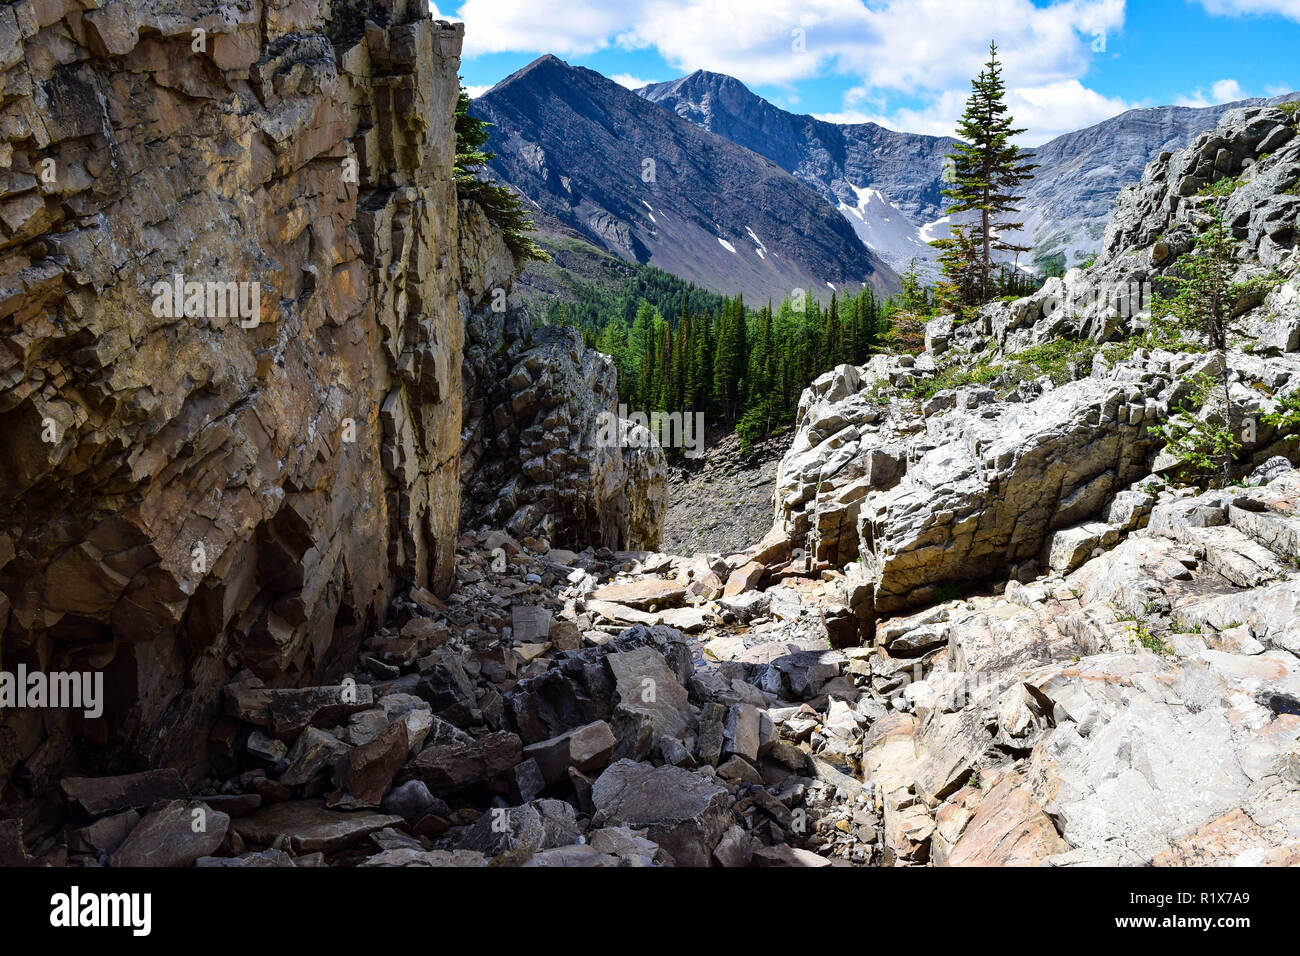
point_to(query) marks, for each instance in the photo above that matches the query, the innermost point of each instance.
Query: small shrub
(1286, 419)
(1140, 633)
(1202, 445)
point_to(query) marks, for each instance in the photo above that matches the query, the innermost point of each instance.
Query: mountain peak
(547, 63)
(640, 182)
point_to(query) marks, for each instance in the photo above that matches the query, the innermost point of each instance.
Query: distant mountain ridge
(635, 180)
(888, 184)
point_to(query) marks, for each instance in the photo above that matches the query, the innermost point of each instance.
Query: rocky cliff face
(220, 483)
(544, 453)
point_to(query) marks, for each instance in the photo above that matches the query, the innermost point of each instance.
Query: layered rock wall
(544, 450)
(186, 495)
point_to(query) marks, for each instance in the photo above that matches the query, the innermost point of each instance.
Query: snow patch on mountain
(885, 230)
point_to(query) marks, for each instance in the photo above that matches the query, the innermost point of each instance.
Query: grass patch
(1221, 187)
(981, 373)
(1053, 359)
(1140, 632)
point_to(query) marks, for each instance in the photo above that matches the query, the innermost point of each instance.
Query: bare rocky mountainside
(367, 580)
(176, 479)
(650, 187)
(888, 184)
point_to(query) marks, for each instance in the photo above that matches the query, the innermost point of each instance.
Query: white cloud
(902, 45)
(1278, 89)
(1221, 91)
(477, 90)
(1044, 111)
(1238, 8)
(630, 81)
(571, 28)
(920, 49)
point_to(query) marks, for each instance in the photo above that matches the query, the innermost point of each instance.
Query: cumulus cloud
(572, 28)
(916, 49)
(1044, 111)
(1221, 91)
(903, 45)
(630, 81)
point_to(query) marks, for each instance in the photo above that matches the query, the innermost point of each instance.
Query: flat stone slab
(132, 791)
(175, 834)
(659, 592)
(529, 623)
(310, 827)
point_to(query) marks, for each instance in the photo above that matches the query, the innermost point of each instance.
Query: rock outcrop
(992, 478)
(1119, 685)
(1245, 170)
(246, 476)
(544, 452)
(1140, 710)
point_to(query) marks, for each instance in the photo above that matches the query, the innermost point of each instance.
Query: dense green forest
(679, 348)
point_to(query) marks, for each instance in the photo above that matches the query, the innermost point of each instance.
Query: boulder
(682, 812)
(173, 833)
(446, 768)
(308, 826)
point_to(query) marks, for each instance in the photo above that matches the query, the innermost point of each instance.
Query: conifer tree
(1203, 301)
(987, 169)
(959, 261)
(913, 296)
(500, 203)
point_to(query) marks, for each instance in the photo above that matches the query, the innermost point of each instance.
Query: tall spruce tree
(987, 169)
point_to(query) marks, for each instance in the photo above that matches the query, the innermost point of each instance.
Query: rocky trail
(589, 709)
(631, 708)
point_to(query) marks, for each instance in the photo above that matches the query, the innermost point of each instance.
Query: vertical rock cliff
(544, 450)
(243, 478)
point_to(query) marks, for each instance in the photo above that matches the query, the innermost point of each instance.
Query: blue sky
(907, 63)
